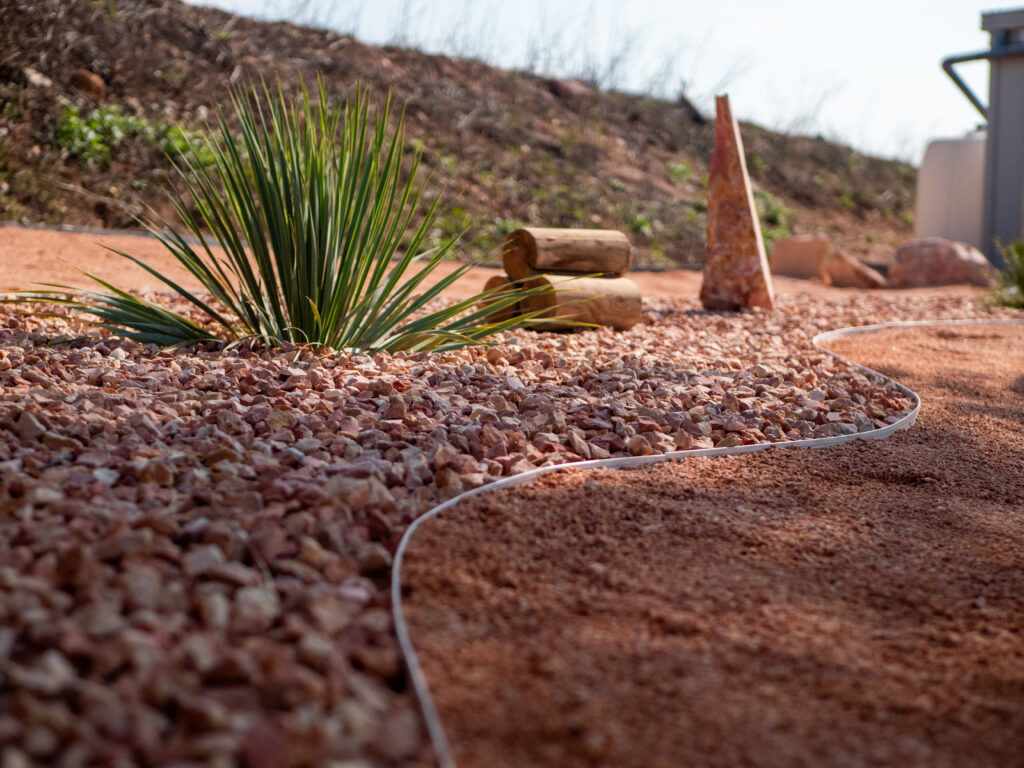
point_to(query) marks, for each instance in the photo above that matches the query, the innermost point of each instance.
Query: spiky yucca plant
(318, 225)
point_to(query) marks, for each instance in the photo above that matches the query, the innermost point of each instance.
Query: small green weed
(450, 226)
(1011, 291)
(110, 5)
(679, 171)
(12, 111)
(449, 164)
(775, 217)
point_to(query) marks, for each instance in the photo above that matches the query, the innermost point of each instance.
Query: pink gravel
(195, 546)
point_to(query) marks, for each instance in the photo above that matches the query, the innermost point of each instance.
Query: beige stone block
(799, 256)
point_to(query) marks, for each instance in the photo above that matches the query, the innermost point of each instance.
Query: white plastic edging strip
(419, 681)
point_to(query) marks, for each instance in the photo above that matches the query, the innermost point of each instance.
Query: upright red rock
(736, 272)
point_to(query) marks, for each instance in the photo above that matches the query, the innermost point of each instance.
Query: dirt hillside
(510, 148)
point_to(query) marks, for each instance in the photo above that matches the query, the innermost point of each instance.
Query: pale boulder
(843, 271)
(937, 261)
(799, 256)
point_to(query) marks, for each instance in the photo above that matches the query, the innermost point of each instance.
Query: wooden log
(582, 251)
(614, 302)
(513, 310)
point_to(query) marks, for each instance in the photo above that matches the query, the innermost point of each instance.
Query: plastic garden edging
(422, 690)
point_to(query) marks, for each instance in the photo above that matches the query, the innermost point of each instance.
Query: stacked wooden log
(558, 259)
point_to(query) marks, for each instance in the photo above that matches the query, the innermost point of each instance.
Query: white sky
(865, 72)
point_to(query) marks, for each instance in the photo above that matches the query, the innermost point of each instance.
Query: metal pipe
(1012, 49)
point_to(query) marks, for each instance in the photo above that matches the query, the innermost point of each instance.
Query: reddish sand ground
(30, 256)
(854, 606)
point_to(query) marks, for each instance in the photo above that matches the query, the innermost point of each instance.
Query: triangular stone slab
(736, 274)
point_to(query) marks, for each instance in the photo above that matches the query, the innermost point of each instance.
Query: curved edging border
(419, 681)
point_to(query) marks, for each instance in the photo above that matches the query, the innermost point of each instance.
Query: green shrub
(93, 138)
(311, 205)
(775, 217)
(1011, 292)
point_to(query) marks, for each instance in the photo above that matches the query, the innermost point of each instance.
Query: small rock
(399, 735)
(271, 542)
(312, 554)
(328, 613)
(316, 651)
(382, 662)
(359, 721)
(396, 408)
(142, 585)
(638, 446)
(89, 83)
(683, 440)
(203, 713)
(579, 445)
(448, 478)
(202, 558)
(41, 741)
(44, 494)
(28, 426)
(106, 476)
(359, 493)
(729, 441)
(214, 610)
(844, 271)
(36, 79)
(254, 610)
(443, 455)
(56, 442)
(234, 573)
(373, 559)
(100, 619)
(157, 472)
(280, 420)
(308, 445)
